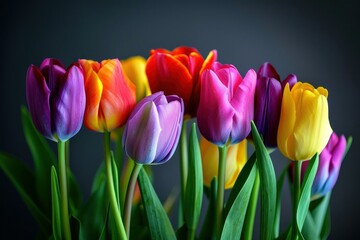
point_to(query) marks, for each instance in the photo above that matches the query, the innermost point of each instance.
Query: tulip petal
(286, 124)
(215, 108)
(164, 72)
(170, 113)
(243, 103)
(38, 99)
(69, 104)
(268, 70)
(53, 70)
(291, 79)
(142, 134)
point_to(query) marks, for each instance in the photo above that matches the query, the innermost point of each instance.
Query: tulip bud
(56, 99)
(236, 158)
(152, 132)
(267, 106)
(330, 161)
(177, 72)
(134, 68)
(226, 104)
(304, 127)
(110, 96)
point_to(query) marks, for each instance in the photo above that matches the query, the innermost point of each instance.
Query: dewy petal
(69, 104)
(169, 117)
(286, 124)
(142, 134)
(38, 99)
(166, 73)
(268, 70)
(243, 104)
(215, 113)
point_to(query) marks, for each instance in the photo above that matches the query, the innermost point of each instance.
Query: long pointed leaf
(158, 221)
(235, 218)
(44, 159)
(279, 186)
(267, 186)
(56, 213)
(209, 228)
(304, 201)
(24, 182)
(194, 185)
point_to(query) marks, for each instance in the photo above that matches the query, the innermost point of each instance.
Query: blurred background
(319, 42)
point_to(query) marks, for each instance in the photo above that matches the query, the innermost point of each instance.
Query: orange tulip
(110, 96)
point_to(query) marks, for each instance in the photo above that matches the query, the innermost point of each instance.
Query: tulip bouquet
(142, 108)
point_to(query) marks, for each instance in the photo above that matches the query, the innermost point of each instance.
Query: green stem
(191, 234)
(111, 189)
(296, 197)
(221, 189)
(63, 190)
(250, 215)
(129, 197)
(183, 169)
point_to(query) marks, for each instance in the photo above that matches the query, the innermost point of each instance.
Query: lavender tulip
(56, 99)
(330, 160)
(267, 106)
(153, 129)
(226, 104)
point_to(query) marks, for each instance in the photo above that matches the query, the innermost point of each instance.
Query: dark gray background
(319, 42)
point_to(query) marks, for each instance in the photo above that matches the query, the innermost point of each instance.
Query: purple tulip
(153, 129)
(330, 161)
(268, 97)
(56, 99)
(226, 104)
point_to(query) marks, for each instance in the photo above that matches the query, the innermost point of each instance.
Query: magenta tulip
(226, 104)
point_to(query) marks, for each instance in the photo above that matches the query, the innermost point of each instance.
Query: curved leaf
(158, 221)
(55, 199)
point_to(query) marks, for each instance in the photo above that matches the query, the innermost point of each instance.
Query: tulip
(153, 129)
(56, 99)
(134, 68)
(110, 96)
(177, 72)
(267, 106)
(226, 104)
(304, 127)
(236, 158)
(330, 160)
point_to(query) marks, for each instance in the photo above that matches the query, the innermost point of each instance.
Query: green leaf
(325, 231)
(158, 221)
(75, 226)
(279, 186)
(24, 182)
(267, 186)
(115, 177)
(235, 217)
(75, 196)
(44, 159)
(348, 145)
(94, 213)
(209, 228)
(306, 186)
(194, 185)
(319, 209)
(56, 202)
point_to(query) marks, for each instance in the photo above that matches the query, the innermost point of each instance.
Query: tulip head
(134, 68)
(152, 132)
(304, 127)
(236, 158)
(226, 104)
(56, 99)
(177, 72)
(330, 160)
(110, 96)
(267, 105)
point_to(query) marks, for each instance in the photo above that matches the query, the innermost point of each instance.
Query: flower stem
(63, 190)
(111, 189)
(296, 197)
(183, 169)
(250, 215)
(221, 188)
(129, 197)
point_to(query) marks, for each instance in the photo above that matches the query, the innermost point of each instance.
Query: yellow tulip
(134, 68)
(235, 160)
(304, 127)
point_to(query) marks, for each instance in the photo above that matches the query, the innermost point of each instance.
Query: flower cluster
(147, 104)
